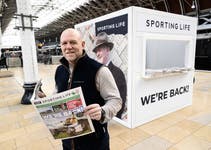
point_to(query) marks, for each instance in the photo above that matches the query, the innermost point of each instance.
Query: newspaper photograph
(63, 114)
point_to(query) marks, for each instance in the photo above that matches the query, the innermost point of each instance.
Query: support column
(30, 67)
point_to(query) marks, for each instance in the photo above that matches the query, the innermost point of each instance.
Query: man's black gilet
(84, 75)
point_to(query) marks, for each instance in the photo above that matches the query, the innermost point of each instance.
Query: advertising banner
(110, 34)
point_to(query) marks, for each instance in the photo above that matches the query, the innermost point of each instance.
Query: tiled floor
(186, 129)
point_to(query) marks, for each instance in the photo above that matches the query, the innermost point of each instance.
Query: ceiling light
(5, 5)
(193, 5)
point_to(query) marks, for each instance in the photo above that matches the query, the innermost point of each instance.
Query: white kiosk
(156, 52)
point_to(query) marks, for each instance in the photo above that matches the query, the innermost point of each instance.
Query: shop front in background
(13, 56)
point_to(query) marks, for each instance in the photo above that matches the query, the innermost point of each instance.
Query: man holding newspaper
(99, 89)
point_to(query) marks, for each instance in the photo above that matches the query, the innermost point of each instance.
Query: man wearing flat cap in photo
(102, 49)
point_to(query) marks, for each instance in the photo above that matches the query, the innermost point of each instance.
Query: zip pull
(69, 81)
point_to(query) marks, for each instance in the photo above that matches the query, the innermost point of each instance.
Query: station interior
(21, 128)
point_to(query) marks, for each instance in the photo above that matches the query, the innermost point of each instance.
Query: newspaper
(63, 114)
(36, 90)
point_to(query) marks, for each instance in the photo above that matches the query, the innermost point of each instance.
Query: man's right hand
(40, 94)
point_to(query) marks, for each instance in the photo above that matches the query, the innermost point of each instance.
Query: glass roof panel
(46, 10)
(49, 10)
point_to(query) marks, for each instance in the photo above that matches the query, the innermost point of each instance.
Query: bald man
(99, 88)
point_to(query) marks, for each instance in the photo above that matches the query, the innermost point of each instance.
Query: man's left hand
(94, 111)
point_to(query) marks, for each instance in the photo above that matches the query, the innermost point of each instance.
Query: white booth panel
(156, 51)
(152, 21)
(157, 97)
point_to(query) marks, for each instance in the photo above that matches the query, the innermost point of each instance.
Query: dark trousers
(87, 142)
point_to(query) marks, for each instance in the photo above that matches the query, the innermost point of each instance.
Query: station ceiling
(90, 9)
(7, 10)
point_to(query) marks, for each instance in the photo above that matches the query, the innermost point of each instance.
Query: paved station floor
(185, 129)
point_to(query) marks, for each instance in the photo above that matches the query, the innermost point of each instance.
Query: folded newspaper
(36, 90)
(63, 114)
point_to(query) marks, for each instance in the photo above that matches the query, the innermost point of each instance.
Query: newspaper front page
(63, 114)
